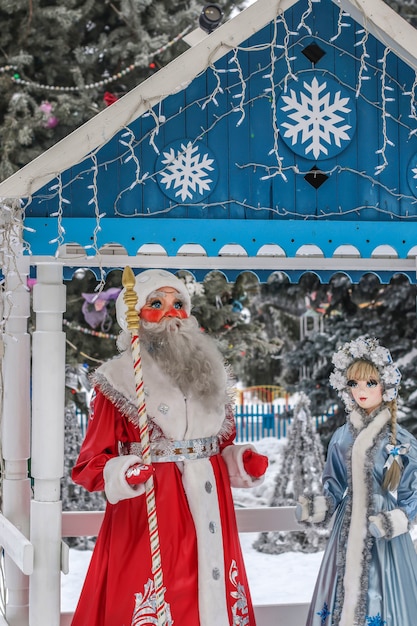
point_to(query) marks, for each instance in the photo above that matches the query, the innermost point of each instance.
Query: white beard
(188, 356)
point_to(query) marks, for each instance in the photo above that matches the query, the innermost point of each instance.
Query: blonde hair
(365, 370)
(393, 473)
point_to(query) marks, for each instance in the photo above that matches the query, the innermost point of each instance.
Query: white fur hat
(147, 282)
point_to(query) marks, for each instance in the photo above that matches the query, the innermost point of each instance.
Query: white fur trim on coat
(358, 527)
(115, 485)
(388, 524)
(204, 507)
(233, 457)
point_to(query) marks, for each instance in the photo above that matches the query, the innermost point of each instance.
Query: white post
(47, 466)
(15, 426)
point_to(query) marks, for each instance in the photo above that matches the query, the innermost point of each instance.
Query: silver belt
(174, 451)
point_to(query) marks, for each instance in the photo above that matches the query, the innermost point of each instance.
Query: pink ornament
(50, 121)
(46, 107)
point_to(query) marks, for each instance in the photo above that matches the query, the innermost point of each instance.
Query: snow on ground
(273, 578)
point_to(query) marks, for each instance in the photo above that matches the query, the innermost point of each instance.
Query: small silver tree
(301, 470)
(74, 497)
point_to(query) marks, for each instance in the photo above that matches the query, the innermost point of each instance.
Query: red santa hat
(146, 283)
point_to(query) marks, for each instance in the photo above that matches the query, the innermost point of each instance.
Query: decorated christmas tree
(90, 320)
(63, 61)
(74, 497)
(224, 310)
(300, 472)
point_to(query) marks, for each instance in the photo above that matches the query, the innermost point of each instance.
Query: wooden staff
(130, 298)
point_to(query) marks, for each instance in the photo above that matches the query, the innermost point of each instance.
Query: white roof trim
(241, 263)
(379, 19)
(386, 25)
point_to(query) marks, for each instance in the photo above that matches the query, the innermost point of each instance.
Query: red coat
(188, 493)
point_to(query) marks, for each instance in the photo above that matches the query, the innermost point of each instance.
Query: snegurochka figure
(368, 576)
(195, 462)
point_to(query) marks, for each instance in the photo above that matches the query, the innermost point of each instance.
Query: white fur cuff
(320, 509)
(233, 457)
(388, 524)
(115, 485)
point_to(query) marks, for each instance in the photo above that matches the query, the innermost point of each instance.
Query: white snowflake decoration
(412, 174)
(187, 171)
(314, 121)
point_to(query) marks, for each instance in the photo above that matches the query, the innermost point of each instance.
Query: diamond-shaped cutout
(315, 177)
(313, 52)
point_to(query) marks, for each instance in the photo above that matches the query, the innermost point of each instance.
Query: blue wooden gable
(305, 133)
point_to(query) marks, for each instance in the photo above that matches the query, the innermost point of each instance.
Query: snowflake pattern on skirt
(324, 613)
(375, 620)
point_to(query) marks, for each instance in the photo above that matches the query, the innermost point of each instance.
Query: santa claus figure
(194, 464)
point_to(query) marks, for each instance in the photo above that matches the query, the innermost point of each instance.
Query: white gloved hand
(116, 485)
(311, 509)
(301, 509)
(388, 524)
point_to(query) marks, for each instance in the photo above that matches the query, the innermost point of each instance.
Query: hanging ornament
(245, 315)
(154, 65)
(109, 98)
(49, 119)
(95, 308)
(77, 382)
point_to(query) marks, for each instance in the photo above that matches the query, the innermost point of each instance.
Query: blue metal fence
(256, 421)
(253, 421)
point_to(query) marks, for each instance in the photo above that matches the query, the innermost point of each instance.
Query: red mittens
(255, 464)
(138, 473)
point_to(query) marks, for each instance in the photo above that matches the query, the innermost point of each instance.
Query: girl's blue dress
(364, 581)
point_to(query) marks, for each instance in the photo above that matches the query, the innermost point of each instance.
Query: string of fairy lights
(15, 76)
(88, 331)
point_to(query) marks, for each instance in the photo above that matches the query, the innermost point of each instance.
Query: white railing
(87, 523)
(16, 546)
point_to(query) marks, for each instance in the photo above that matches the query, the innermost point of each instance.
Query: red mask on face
(165, 303)
(155, 315)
